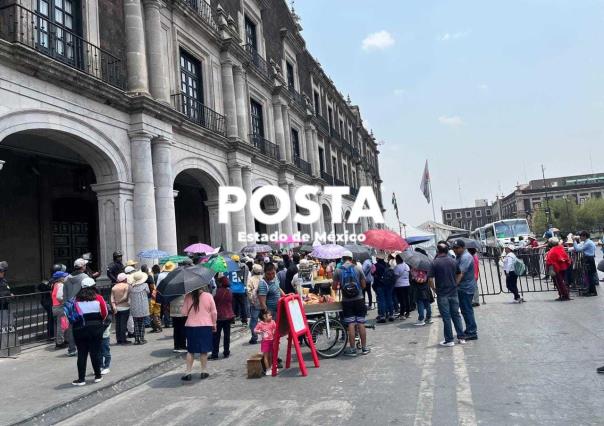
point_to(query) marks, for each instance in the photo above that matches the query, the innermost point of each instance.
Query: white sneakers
(448, 344)
(419, 323)
(105, 371)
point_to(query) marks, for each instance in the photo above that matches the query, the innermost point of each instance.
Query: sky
(485, 91)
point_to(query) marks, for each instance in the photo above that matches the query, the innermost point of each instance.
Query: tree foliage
(567, 216)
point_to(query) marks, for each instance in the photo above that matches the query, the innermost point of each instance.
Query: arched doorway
(49, 190)
(195, 191)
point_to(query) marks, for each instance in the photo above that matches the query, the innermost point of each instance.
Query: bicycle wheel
(329, 342)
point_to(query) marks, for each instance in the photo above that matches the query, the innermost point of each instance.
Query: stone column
(241, 101)
(237, 222)
(136, 59)
(287, 224)
(228, 95)
(115, 220)
(145, 222)
(164, 195)
(287, 133)
(279, 135)
(218, 232)
(246, 175)
(158, 84)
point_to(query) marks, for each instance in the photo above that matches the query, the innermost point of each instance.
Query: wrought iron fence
(257, 61)
(338, 182)
(297, 97)
(204, 10)
(198, 113)
(302, 165)
(23, 26)
(322, 124)
(265, 146)
(26, 319)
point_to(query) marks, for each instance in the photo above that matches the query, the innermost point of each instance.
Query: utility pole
(548, 212)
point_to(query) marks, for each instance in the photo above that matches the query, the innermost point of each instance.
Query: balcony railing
(327, 177)
(297, 97)
(266, 147)
(338, 182)
(334, 133)
(302, 165)
(23, 26)
(257, 61)
(204, 10)
(200, 114)
(324, 126)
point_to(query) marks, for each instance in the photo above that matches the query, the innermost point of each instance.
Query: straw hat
(138, 277)
(131, 263)
(168, 267)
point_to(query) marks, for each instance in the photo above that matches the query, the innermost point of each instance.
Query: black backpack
(388, 279)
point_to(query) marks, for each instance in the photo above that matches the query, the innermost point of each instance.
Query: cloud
(399, 92)
(452, 36)
(452, 121)
(378, 41)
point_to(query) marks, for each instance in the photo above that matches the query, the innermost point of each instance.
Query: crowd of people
(82, 319)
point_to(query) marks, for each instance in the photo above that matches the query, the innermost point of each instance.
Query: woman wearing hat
(139, 304)
(88, 331)
(200, 309)
(120, 302)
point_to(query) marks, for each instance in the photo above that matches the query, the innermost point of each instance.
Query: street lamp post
(548, 212)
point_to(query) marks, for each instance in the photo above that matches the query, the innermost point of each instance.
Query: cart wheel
(329, 343)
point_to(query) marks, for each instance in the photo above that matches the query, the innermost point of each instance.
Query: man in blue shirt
(588, 248)
(442, 281)
(464, 277)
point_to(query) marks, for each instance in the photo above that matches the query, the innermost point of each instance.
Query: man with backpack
(349, 278)
(237, 282)
(383, 284)
(71, 287)
(512, 267)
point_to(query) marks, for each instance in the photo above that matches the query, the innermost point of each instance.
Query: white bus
(479, 235)
(499, 234)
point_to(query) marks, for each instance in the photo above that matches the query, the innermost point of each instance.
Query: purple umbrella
(328, 251)
(199, 248)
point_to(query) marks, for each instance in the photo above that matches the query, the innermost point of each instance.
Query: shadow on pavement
(162, 353)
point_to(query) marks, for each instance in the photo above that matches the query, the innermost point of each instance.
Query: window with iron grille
(191, 85)
(317, 100)
(250, 34)
(290, 75)
(257, 118)
(296, 143)
(321, 159)
(64, 19)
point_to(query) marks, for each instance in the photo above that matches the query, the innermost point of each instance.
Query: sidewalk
(40, 378)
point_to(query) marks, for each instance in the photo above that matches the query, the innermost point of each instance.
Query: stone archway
(69, 193)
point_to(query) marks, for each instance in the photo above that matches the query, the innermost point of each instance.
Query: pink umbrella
(383, 239)
(199, 248)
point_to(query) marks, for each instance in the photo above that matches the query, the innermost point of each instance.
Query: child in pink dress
(266, 328)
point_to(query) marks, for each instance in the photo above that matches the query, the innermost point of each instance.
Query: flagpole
(432, 199)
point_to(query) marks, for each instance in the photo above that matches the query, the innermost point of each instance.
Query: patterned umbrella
(220, 264)
(328, 251)
(152, 254)
(257, 248)
(383, 239)
(199, 248)
(174, 259)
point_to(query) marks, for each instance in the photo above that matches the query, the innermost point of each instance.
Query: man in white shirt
(511, 279)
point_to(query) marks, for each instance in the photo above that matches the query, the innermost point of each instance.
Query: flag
(425, 185)
(394, 204)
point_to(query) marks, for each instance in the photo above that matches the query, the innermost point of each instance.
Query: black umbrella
(417, 260)
(359, 253)
(470, 243)
(184, 280)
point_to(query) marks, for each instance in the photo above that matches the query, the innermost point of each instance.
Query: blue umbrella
(419, 239)
(153, 254)
(232, 265)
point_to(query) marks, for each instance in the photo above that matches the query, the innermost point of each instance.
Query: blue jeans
(449, 311)
(467, 310)
(384, 300)
(105, 353)
(254, 312)
(423, 305)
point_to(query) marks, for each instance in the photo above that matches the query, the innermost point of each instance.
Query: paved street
(534, 364)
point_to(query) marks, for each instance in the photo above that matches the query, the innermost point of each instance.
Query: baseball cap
(122, 277)
(88, 282)
(59, 274)
(347, 253)
(80, 263)
(459, 244)
(129, 269)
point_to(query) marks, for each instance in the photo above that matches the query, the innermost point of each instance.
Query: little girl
(266, 330)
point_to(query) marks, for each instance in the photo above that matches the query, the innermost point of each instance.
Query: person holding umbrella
(200, 310)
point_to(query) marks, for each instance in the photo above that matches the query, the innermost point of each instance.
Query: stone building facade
(120, 119)
(469, 218)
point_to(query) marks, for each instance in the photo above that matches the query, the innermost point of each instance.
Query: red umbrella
(383, 239)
